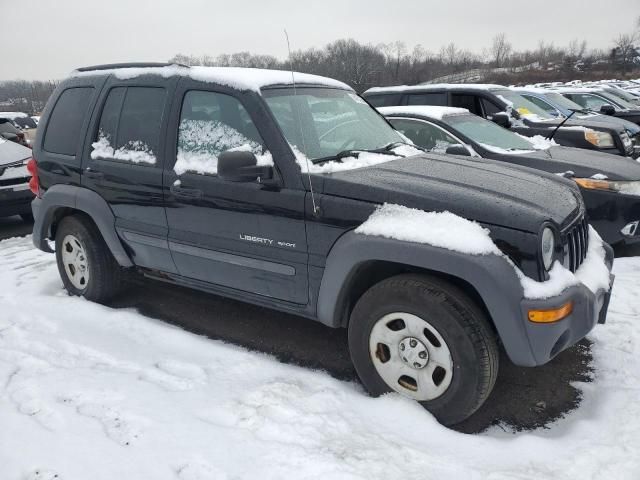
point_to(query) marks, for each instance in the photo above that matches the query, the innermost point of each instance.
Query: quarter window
(66, 120)
(211, 123)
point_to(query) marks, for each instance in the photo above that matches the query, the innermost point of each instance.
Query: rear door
(123, 161)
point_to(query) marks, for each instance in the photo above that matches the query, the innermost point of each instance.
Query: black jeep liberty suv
(251, 184)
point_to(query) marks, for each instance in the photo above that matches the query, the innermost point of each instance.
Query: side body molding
(84, 200)
(493, 278)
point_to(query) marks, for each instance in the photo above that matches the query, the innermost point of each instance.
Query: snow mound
(254, 417)
(539, 142)
(440, 229)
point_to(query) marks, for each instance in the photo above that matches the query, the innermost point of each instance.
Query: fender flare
(83, 200)
(492, 276)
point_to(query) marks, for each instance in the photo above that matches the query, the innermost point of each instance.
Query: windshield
(616, 100)
(487, 133)
(562, 101)
(622, 96)
(322, 122)
(523, 106)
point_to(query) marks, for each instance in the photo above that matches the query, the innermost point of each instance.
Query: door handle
(93, 174)
(186, 193)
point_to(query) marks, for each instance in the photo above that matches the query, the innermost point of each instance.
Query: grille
(576, 243)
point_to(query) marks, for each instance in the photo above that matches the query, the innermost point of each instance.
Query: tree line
(366, 65)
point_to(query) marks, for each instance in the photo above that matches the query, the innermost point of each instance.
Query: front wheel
(427, 340)
(85, 263)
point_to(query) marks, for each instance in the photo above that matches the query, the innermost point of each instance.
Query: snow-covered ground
(92, 393)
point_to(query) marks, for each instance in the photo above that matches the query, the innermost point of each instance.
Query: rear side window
(384, 100)
(65, 123)
(435, 98)
(130, 124)
(470, 102)
(490, 108)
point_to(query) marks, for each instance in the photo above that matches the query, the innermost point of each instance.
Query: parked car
(610, 185)
(15, 196)
(242, 183)
(9, 132)
(510, 110)
(22, 121)
(557, 105)
(598, 99)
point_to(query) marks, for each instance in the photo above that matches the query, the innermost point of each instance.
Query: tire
(414, 317)
(97, 274)
(27, 217)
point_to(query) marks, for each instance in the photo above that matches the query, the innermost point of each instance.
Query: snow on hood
(435, 112)
(234, 77)
(450, 231)
(13, 115)
(539, 142)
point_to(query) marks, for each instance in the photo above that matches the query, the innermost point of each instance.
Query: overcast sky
(48, 38)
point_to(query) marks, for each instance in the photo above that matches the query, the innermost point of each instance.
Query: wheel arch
(60, 201)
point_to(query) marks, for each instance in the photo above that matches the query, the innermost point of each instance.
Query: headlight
(548, 245)
(626, 187)
(599, 139)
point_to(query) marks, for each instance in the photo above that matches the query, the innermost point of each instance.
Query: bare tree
(625, 54)
(500, 50)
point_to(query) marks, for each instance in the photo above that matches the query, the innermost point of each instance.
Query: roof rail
(110, 66)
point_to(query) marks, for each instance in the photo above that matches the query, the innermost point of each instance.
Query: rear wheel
(85, 263)
(427, 340)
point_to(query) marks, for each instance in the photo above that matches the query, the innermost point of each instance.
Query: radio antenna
(316, 210)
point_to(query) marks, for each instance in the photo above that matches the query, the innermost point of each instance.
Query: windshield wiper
(550, 137)
(386, 150)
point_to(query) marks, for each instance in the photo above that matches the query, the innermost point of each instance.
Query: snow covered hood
(11, 152)
(234, 77)
(429, 111)
(476, 189)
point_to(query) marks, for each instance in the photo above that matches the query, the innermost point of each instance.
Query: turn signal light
(34, 182)
(550, 316)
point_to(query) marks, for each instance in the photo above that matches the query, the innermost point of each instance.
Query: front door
(242, 236)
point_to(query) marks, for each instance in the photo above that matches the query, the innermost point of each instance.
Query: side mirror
(502, 119)
(242, 166)
(458, 149)
(607, 109)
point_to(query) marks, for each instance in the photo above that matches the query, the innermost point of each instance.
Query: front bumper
(547, 340)
(15, 200)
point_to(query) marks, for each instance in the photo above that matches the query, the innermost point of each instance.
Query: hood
(584, 163)
(575, 122)
(11, 152)
(483, 190)
(612, 122)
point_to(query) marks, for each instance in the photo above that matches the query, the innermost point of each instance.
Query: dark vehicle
(9, 132)
(610, 185)
(510, 110)
(15, 196)
(23, 122)
(560, 106)
(603, 101)
(240, 183)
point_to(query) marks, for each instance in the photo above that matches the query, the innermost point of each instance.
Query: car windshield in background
(562, 101)
(617, 100)
(523, 106)
(487, 133)
(25, 122)
(322, 122)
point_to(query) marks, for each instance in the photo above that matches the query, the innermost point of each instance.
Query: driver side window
(424, 134)
(211, 123)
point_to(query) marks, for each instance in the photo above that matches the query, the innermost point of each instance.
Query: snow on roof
(234, 77)
(568, 89)
(531, 89)
(435, 86)
(431, 111)
(12, 115)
